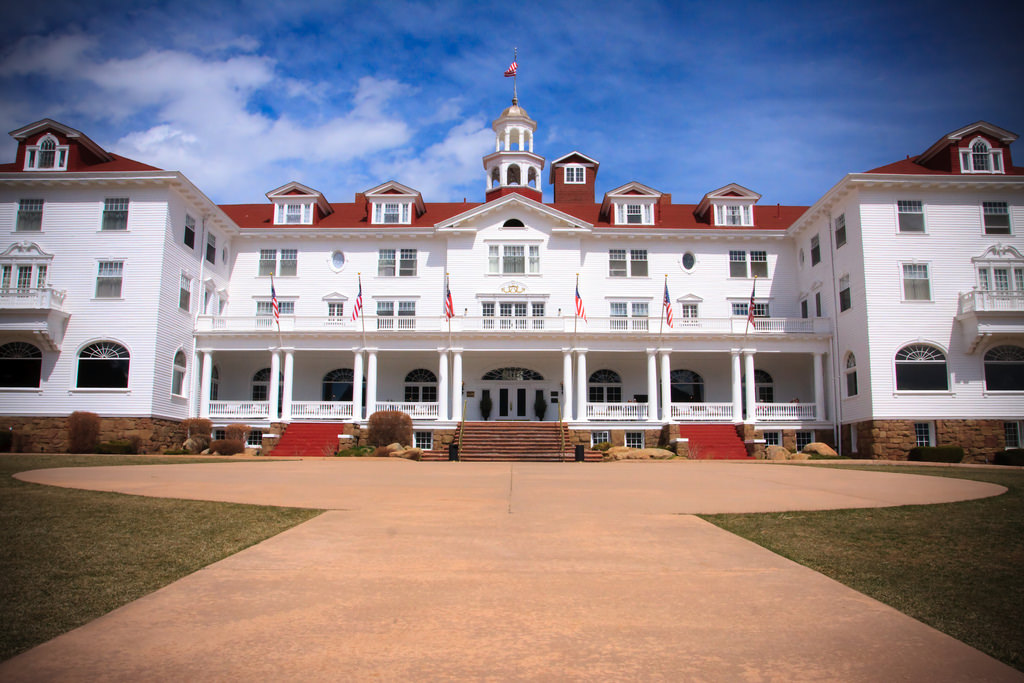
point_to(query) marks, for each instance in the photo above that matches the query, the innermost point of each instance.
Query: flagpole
(362, 314)
(661, 330)
(750, 307)
(277, 313)
(576, 318)
(515, 93)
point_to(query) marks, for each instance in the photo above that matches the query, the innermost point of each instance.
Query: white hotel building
(890, 313)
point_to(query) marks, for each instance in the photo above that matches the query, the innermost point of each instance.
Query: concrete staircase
(309, 440)
(514, 442)
(714, 441)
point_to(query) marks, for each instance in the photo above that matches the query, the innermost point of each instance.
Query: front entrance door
(512, 403)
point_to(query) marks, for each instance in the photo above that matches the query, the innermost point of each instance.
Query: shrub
(178, 451)
(389, 426)
(936, 454)
(83, 431)
(119, 447)
(227, 446)
(355, 452)
(540, 406)
(1012, 456)
(198, 426)
(486, 405)
(602, 446)
(236, 432)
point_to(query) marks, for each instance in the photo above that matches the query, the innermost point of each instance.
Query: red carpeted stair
(514, 442)
(309, 439)
(714, 441)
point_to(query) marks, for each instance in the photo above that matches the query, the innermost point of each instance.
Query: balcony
(702, 412)
(617, 411)
(417, 411)
(37, 310)
(990, 314)
(784, 412)
(239, 410)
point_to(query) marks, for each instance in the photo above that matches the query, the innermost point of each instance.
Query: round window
(689, 260)
(338, 260)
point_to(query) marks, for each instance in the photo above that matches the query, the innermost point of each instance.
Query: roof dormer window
(294, 214)
(629, 213)
(979, 157)
(575, 175)
(385, 213)
(733, 215)
(46, 155)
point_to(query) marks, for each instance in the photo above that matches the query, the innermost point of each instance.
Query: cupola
(513, 166)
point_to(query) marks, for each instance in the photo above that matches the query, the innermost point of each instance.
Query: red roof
(344, 216)
(912, 167)
(118, 164)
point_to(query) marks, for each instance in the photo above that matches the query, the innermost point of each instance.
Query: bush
(119, 447)
(1012, 456)
(83, 431)
(602, 446)
(236, 432)
(486, 405)
(355, 452)
(389, 426)
(227, 446)
(936, 454)
(178, 451)
(198, 426)
(381, 452)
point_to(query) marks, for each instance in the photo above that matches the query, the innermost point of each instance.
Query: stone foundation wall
(893, 439)
(50, 434)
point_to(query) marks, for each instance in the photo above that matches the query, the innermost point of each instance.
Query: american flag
(580, 313)
(668, 306)
(449, 304)
(273, 302)
(750, 306)
(357, 309)
(512, 68)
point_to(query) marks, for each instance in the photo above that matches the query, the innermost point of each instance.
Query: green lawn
(70, 556)
(958, 567)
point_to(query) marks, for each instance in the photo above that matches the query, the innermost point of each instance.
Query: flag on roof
(512, 68)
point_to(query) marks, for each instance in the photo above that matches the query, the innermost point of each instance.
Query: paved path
(509, 572)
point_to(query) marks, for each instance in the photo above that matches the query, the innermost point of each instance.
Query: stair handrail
(462, 428)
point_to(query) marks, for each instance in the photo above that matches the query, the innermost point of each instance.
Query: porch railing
(239, 409)
(985, 300)
(321, 410)
(702, 412)
(784, 412)
(420, 410)
(32, 297)
(616, 411)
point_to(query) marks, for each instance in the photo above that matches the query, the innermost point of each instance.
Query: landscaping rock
(819, 448)
(394, 448)
(776, 453)
(626, 453)
(800, 456)
(196, 444)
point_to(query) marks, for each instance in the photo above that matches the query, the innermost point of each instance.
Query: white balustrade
(616, 411)
(32, 297)
(239, 409)
(702, 412)
(784, 412)
(417, 410)
(984, 300)
(321, 410)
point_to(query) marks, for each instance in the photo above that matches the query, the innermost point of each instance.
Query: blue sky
(783, 98)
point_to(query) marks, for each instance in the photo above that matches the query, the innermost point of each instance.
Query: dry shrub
(227, 446)
(198, 426)
(236, 432)
(389, 426)
(381, 452)
(83, 431)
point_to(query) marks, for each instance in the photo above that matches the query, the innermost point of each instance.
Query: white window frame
(600, 436)
(803, 437)
(288, 266)
(845, 293)
(772, 438)
(575, 174)
(996, 209)
(108, 271)
(392, 212)
(293, 213)
(34, 154)
(643, 211)
(336, 310)
(30, 213)
(211, 248)
(634, 439)
(1013, 434)
(911, 209)
(840, 230)
(737, 257)
(969, 161)
(759, 263)
(423, 440)
(904, 280)
(734, 215)
(924, 433)
(815, 250)
(850, 375)
(185, 293)
(268, 263)
(190, 229)
(112, 219)
(179, 373)
(501, 255)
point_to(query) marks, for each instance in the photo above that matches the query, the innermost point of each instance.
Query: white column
(737, 387)
(289, 381)
(819, 386)
(205, 385)
(581, 384)
(456, 385)
(748, 362)
(508, 139)
(442, 384)
(275, 382)
(371, 381)
(652, 385)
(567, 384)
(666, 385)
(357, 385)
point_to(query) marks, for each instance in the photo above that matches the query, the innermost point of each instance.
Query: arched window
(514, 175)
(921, 367)
(21, 365)
(178, 374)
(512, 375)
(531, 177)
(1004, 369)
(513, 223)
(605, 386)
(687, 387)
(261, 386)
(851, 375)
(421, 386)
(980, 156)
(337, 385)
(103, 365)
(496, 177)
(47, 153)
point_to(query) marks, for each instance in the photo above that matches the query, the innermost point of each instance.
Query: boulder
(819, 448)
(196, 443)
(394, 448)
(616, 453)
(800, 456)
(776, 453)
(411, 453)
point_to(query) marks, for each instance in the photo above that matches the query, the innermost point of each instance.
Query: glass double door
(512, 403)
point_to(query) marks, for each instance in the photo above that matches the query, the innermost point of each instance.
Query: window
(1012, 430)
(803, 439)
(817, 304)
(689, 261)
(513, 259)
(21, 365)
(733, 214)
(911, 215)
(997, 218)
(921, 367)
(687, 386)
(265, 308)
(388, 318)
(421, 386)
(605, 386)
(979, 157)
(634, 214)
(406, 263)
(599, 437)
(294, 214)
(268, 262)
(178, 374)
(337, 260)
(30, 215)
(622, 311)
(185, 293)
(737, 264)
(103, 365)
(336, 310)
(617, 263)
(844, 293)
(46, 155)
(337, 385)
(840, 230)
(115, 214)
(391, 213)
(742, 309)
(575, 175)
(636, 266)
(386, 262)
(254, 439)
(916, 286)
(260, 387)
(803, 308)
(851, 375)
(190, 232)
(423, 440)
(689, 312)
(924, 433)
(211, 248)
(815, 251)
(772, 438)
(759, 264)
(289, 262)
(1004, 369)
(764, 386)
(634, 439)
(108, 279)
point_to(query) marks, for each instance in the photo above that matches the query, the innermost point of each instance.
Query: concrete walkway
(509, 572)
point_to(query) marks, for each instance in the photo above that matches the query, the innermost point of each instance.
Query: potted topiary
(485, 405)
(540, 406)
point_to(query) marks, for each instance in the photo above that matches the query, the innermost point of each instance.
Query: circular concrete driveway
(701, 487)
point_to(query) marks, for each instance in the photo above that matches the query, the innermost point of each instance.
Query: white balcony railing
(33, 298)
(784, 412)
(321, 410)
(702, 412)
(426, 411)
(616, 411)
(989, 300)
(239, 409)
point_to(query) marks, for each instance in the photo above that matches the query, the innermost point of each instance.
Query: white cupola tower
(513, 167)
